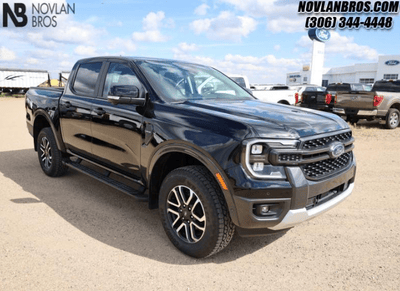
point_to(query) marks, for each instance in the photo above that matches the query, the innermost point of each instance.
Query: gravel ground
(74, 233)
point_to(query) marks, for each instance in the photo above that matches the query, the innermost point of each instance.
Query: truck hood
(272, 120)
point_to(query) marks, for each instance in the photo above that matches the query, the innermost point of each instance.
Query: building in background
(297, 78)
(387, 68)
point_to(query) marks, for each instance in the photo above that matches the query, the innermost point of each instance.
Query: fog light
(256, 149)
(264, 209)
(268, 210)
(257, 167)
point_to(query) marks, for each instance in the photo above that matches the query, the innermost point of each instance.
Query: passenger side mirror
(126, 94)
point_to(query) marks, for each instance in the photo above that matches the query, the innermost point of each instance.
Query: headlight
(256, 157)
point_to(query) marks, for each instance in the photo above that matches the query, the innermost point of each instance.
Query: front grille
(319, 170)
(324, 141)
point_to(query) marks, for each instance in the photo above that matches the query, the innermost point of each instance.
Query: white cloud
(202, 9)
(120, 43)
(83, 50)
(150, 36)
(225, 26)
(349, 49)
(201, 25)
(344, 46)
(6, 54)
(152, 21)
(260, 8)
(93, 19)
(184, 48)
(286, 24)
(75, 33)
(281, 14)
(32, 61)
(265, 60)
(38, 40)
(66, 65)
(152, 24)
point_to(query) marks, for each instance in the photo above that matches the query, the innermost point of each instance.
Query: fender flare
(393, 102)
(57, 135)
(204, 157)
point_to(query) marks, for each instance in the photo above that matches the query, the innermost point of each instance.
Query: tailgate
(311, 97)
(355, 100)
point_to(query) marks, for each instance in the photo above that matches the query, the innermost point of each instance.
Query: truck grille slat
(325, 168)
(323, 141)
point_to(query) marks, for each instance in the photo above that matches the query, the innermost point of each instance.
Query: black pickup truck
(316, 98)
(194, 144)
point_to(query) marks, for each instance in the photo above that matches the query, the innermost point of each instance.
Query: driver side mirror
(126, 94)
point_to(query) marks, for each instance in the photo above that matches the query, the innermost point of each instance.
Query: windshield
(175, 81)
(315, 89)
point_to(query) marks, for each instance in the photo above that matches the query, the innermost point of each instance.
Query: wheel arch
(174, 155)
(285, 102)
(396, 106)
(41, 121)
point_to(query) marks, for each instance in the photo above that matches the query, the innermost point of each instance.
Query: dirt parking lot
(74, 233)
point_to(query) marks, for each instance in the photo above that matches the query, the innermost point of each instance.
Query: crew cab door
(75, 107)
(116, 128)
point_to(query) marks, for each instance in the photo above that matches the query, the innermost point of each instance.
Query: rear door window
(86, 78)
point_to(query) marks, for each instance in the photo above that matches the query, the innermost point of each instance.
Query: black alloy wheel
(194, 213)
(50, 157)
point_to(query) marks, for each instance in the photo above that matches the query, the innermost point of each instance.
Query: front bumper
(292, 200)
(297, 216)
(323, 107)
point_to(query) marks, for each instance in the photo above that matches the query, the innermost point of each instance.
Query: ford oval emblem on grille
(336, 150)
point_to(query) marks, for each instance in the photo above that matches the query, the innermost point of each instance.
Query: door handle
(99, 111)
(67, 104)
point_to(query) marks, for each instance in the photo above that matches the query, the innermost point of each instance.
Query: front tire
(392, 118)
(50, 157)
(194, 213)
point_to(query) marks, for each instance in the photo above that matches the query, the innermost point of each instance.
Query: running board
(107, 180)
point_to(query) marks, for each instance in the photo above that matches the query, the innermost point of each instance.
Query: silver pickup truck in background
(382, 102)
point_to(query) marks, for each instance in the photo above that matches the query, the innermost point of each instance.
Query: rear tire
(194, 213)
(50, 157)
(392, 118)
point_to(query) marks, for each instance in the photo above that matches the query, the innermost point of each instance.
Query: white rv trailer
(21, 79)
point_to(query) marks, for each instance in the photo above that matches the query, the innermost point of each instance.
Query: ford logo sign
(336, 150)
(321, 35)
(392, 63)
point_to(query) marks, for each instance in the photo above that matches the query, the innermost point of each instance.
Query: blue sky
(263, 39)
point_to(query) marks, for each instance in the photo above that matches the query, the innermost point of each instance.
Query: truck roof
(132, 58)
